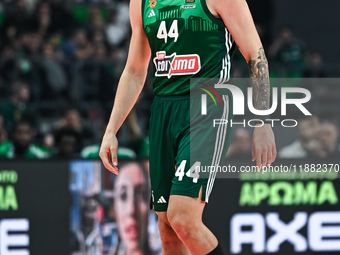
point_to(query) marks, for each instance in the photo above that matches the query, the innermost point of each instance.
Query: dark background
(316, 23)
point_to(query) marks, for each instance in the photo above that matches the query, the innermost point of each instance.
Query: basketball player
(199, 35)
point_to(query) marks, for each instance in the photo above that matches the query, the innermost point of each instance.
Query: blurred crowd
(315, 139)
(60, 62)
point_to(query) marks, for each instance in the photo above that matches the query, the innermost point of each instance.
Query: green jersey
(186, 41)
(33, 151)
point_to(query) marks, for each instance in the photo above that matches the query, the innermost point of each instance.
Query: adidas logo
(161, 200)
(151, 14)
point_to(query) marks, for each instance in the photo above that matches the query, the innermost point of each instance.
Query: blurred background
(60, 62)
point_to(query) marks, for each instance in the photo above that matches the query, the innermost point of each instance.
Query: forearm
(129, 88)
(259, 75)
(237, 17)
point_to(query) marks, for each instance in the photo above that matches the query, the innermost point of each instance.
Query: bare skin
(171, 244)
(181, 227)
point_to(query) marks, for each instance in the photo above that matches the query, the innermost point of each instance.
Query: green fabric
(179, 133)
(92, 152)
(186, 41)
(33, 151)
(81, 13)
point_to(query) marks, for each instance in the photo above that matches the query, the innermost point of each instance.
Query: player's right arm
(129, 87)
(237, 18)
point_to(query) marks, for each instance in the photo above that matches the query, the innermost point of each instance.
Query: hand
(108, 152)
(263, 146)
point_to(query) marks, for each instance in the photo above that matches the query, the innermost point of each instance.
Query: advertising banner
(293, 212)
(34, 207)
(77, 207)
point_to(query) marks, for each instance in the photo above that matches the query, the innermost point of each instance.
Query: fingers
(252, 152)
(258, 159)
(269, 157)
(106, 159)
(274, 153)
(114, 159)
(264, 157)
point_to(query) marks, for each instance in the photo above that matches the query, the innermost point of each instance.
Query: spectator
(328, 137)
(241, 145)
(31, 43)
(315, 66)
(98, 37)
(68, 142)
(21, 144)
(51, 18)
(99, 52)
(42, 21)
(308, 129)
(54, 74)
(116, 30)
(73, 119)
(49, 143)
(17, 20)
(288, 51)
(18, 106)
(78, 46)
(8, 66)
(96, 21)
(286, 48)
(123, 12)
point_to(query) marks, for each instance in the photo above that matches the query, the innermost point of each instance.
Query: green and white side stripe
(226, 61)
(219, 146)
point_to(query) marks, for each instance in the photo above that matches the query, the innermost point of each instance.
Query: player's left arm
(237, 17)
